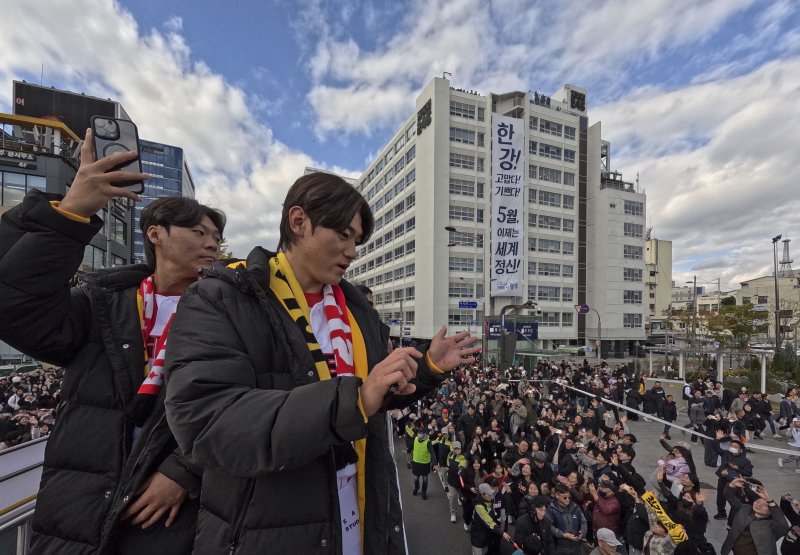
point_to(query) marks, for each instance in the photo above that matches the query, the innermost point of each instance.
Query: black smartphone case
(127, 140)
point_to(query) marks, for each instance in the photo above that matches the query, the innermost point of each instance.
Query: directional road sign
(582, 308)
(467, 304)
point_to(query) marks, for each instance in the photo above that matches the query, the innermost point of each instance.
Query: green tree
(225, 253)
(734, 326)
(728, 301)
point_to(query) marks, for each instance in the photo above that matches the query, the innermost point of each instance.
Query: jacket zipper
(239, 523)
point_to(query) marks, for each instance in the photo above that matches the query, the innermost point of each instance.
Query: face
(760, 508)
(563, 499)
(184, 250)
(320, 255)
(540, 512)
(533, 489)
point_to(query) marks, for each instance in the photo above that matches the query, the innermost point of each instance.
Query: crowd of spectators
(27, 405)
(549, 466)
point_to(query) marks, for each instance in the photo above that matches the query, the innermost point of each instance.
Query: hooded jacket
(91, 473)
(246, 404)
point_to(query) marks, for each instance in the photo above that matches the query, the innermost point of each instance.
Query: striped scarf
(675, 531)
(142, 405)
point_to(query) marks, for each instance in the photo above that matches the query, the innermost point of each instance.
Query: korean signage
(526, 331)
(508, 141)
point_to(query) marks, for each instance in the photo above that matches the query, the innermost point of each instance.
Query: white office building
(437, 197)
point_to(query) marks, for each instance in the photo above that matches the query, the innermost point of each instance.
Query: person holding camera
(734, 464)
(132, 489)
(757, 526)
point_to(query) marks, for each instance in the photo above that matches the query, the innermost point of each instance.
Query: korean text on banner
(508, 141)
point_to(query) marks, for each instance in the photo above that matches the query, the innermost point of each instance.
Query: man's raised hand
(447, 352)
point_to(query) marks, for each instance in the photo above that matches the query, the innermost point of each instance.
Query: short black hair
(364, 289)
(329, 201)
(178, 211)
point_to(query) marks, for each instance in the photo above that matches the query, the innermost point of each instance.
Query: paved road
(429, 530)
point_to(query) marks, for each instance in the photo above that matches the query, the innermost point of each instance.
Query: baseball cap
(486, 489)
(608, 536)
(444, 411)
(456, 445)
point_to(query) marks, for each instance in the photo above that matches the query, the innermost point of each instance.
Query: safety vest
(421, 453)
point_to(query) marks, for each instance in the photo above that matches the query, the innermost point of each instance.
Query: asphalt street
(429, 530)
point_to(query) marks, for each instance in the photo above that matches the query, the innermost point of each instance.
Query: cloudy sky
(701, 98)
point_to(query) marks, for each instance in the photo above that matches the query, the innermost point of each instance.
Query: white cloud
(733, 193)
(236, 162)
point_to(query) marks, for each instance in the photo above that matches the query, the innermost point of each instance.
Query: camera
(106, 129)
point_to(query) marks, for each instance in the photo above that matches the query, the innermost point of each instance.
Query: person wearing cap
(657, 540)
(485, 530)
(456, 462)
(533, 529)
(607, 543)
(733, 464)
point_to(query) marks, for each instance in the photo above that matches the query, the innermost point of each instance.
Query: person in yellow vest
(424, 453)
(278, 382)
(408, 437)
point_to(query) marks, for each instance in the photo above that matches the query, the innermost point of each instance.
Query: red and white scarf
(333, 303)
(148, 312)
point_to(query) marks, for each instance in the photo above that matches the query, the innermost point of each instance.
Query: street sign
(392, 322)
(582, 308)
(467, 304)
(406, 328)
(406, 334)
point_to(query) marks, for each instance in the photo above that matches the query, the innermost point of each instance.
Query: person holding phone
(113, 480)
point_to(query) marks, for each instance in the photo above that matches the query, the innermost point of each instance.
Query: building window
(409, 270)
(481, 114)
(463, 213)
(634, 208)
(547, 174)
(461, 264)
(465, 136)
(567, 270)
(411, 176)
(462, 110)
(460, 290)
(549, 222)
(547, 198)
(631, 274)
(531, 220)
(93, 258)
(549, 293)
(465, 240)
(568, 247)
(479, 215)
(480, 164)
(532, 196)
(549, 245)
(549, 269)
(532, 148)
(533, 122)
(119, 231)
(532, 244)
(481, 139)
(633, 230)
(549, 151)
(763, 299)
(409, 319)
(550, 127)
(631, 320)
(569, 179)
(567, 294)
(532, 171)
(411, 223)
(568, 202)
(480, 189)
(550, 319)
(459, 317)
(632, 252)
(462, 161)
(566, 319)
(569, 225)
(569, 155)
(409, 292)
(532, 268)
(410, 201)
(412, 152)
(631, 297)
(569, 132)
(462, 187)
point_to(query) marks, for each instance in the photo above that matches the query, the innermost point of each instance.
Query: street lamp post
(694, 309)
(486, 306)
(599, 334)
(777, 297)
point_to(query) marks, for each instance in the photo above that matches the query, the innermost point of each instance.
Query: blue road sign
(525, 330)
(467, 304)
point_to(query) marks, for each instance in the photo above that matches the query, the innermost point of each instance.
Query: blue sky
(699, 97)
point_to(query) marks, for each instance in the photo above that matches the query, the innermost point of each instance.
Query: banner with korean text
(508, 141)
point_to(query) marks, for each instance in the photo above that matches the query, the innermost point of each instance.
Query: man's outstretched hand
(448, 352)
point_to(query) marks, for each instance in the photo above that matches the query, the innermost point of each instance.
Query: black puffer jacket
(90, 473)
(246, 404)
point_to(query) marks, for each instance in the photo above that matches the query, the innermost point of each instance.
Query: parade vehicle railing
(20, 473)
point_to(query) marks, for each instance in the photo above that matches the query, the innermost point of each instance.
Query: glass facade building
(169, 176)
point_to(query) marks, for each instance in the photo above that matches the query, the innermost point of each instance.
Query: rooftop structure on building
(309, 170)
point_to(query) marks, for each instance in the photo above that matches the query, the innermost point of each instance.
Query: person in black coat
(632, 400)
(668, 412)
(113, 479)
(533, 530)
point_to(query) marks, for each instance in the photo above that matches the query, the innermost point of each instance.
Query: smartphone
(113, 135)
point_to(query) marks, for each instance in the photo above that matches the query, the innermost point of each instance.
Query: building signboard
(508, 142)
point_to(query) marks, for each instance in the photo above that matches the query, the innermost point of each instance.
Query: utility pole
(694, 310)
(777, 297)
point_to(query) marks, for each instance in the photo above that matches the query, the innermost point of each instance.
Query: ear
(154, 233)
(298, 221)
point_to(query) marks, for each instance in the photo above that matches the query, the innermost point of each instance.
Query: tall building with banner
(483, 204)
